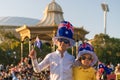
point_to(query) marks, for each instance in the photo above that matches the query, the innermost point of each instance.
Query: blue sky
(86, 13)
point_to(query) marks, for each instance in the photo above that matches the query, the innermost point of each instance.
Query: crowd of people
(22, 71)
(60, 65)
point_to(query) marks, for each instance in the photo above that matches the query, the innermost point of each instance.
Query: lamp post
(14, 55)
(105, 10)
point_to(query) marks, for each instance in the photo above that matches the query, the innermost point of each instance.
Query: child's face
(86, 59)
(63, 44)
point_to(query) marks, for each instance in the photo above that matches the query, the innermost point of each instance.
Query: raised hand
(32, 54)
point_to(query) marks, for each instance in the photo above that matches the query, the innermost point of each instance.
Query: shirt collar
(58, 52)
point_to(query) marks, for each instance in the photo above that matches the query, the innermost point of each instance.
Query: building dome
(53, 15)
(53, 6)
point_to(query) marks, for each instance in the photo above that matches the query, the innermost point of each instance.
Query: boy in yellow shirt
(86, 58)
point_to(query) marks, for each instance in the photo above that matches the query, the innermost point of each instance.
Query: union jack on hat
(87, 48)
(67, 25)
(65, 30)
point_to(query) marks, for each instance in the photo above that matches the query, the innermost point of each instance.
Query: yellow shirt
(79, 73)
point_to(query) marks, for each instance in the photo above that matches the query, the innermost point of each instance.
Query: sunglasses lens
(83, 58)
(66, 41)
(90, 58)
(63, 40)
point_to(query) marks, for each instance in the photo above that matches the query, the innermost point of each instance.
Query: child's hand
(32, 54)
(98, 75)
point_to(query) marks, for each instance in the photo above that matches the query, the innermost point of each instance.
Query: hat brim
(95, 58)
(72, 42)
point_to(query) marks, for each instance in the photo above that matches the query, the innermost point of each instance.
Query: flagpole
(22, 50)
(29, 45)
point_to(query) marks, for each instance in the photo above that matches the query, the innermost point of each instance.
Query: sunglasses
(84, 58)
(63, 40)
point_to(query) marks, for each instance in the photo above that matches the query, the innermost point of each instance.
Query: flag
(38, 43)
(104, 68)
(67, 25)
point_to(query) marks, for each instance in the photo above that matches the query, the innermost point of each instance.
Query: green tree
(8, 47)
(107, 49)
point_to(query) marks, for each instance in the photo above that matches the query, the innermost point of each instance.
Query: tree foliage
(8, 47)
(106, 48)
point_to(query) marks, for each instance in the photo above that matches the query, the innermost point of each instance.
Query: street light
(105, 10)
(14, 54)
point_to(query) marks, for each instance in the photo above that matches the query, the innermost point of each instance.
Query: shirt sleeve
(38, 67)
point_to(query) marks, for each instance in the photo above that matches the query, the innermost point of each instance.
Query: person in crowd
(1, 67)
(60, 61)
(104, 70)
(117, 69)
(86, 58)
(15, 76)
(112, 66)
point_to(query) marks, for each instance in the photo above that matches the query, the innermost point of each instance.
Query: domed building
(53, 15)
(46, 28)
